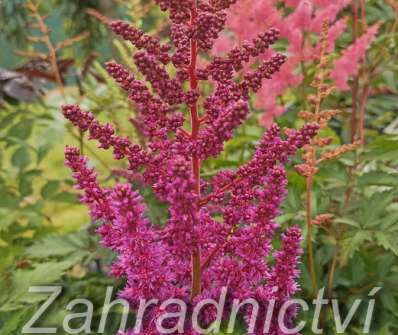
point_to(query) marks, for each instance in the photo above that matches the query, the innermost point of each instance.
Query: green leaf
(33, 173)
(376, 210)
(353, 242)
(42, 152)
(238, 142)
(390, 222)
(7, 120)
(15, 321)
(7, 218)
(21, 130)
(347, 221)
(58, 245)
(387, 241)
(25, 186)
(358, 272)
(347, 161)
(285, 218)
(42, 274)
(50, 189)
(7, 199)
(20, 158)
(385, 331)
(65, 197)
(378, 178)
(383, 148)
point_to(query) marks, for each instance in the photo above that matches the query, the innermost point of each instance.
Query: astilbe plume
(219, 232)
(318, 151)
(296, 20)
(347, 64)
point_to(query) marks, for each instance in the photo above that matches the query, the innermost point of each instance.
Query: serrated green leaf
(15, 321)
(42, 274)
(358, 272)
(373, 213)
(378, 178)
(347, 221)
(353, 242)
(387, 241)
(58, 245)
(390, 222)
(384, 148)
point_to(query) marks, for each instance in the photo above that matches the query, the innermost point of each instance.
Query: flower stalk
(314, 153)
(219, 230)
(195, 124)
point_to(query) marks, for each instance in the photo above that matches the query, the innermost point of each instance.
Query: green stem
(310, 248)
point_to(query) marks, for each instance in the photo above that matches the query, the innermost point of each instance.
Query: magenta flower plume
(219, 232)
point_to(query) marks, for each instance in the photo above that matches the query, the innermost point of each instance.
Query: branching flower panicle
(316, 152)
(219, 232)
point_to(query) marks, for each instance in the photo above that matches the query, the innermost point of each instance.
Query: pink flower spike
(348, 64)
(215, 232)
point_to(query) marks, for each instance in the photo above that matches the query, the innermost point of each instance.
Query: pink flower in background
(327, 11)
(348, 64)
(301, 18)
(334, 33)
(248, 17)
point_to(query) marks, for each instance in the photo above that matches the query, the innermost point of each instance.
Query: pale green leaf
(58, 245)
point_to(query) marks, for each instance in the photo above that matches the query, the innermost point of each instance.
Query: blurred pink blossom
(348, 64)
(249, 17)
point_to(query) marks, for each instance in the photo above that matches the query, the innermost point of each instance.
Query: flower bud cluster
(141, 40)
(239, 55)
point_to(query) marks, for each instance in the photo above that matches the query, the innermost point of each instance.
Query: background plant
(366, 254)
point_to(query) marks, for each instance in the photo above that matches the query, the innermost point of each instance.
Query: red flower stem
(207, 199)
(203, 119)
(195, 124)
(185, 133)
(214, 252)
(210, 257)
